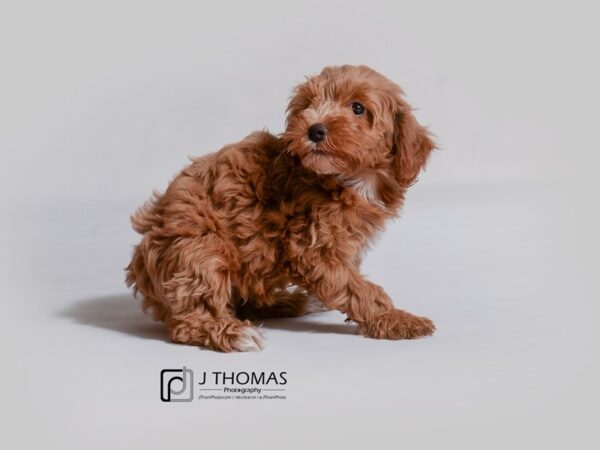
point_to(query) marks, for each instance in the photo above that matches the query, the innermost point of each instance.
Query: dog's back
(184, 210)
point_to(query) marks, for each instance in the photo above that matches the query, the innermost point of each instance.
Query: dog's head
(349, 120)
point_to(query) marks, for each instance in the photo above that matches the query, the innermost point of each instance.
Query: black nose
(317, 132)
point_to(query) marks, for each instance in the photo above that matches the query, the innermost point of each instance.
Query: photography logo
(177, 385)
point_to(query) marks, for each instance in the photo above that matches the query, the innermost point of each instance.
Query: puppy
(236, 229)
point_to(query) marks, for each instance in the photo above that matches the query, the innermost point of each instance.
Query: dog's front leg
(345, 289)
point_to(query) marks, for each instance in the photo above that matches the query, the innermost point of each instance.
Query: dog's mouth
(320, 159)
(315, 152)
(316, 149)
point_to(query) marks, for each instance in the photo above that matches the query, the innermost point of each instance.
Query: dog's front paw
(398, 324)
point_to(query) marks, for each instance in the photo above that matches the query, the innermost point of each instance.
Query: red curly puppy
(236, 228)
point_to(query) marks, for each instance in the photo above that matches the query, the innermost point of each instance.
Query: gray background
(101, 102)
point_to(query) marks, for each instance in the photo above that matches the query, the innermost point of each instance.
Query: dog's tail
(137, 273)
(143, 219)
(140, 281)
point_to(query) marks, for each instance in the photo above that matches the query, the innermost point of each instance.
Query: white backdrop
(101, 102)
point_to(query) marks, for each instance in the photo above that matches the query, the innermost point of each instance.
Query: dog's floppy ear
(411, 146)
(300, 100)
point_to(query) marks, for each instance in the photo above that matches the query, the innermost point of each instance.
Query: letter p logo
(177, 385)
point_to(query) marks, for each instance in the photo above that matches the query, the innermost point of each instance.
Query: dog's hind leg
(198, 295)
(290, 302)
(224, 333)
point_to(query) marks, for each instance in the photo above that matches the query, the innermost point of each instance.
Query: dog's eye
(358, 109)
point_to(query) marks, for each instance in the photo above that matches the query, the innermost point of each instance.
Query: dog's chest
(326, 236)
(366, 188)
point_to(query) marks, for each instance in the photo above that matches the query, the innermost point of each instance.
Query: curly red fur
(236, 228)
